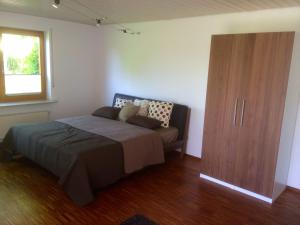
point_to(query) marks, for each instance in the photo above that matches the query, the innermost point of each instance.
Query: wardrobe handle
(243, 112)
(235, 110)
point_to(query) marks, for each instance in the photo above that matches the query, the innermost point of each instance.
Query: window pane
(21, 57)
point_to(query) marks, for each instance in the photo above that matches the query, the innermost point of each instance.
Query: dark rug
(138, 220)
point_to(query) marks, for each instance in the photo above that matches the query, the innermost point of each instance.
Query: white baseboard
(244, 191)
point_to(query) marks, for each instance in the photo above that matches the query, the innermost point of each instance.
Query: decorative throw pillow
(107, 112)
(144, 106)
(120, 102)
(144, 121)
(161, 111)
(128, 111)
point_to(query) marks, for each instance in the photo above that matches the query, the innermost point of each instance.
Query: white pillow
(161, 111)
(120, 102)
(144, 106)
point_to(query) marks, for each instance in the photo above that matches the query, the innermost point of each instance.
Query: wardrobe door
(221, 108)
(263, 100)
(240, 70)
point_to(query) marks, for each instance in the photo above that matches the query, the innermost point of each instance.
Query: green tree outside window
(29, 65)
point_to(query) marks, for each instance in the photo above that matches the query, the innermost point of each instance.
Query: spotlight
(56, 3)
(99, 21)
(129, 31)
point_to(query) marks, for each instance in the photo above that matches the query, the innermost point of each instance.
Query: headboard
(179, 116)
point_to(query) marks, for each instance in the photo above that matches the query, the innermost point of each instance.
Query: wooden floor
(168, 194)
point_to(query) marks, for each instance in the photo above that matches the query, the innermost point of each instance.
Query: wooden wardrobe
(244, 137)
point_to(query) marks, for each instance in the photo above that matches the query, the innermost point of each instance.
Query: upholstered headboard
(179, 116)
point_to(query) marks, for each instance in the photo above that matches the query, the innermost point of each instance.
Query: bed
(179, 120)
(87, 153)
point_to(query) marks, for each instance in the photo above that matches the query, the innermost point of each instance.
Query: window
(22, 63)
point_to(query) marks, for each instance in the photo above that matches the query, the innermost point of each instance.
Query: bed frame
(179, 119)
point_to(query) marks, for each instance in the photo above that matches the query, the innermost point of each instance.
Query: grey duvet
(87, 152)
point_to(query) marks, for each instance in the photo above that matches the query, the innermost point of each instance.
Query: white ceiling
(122, 11)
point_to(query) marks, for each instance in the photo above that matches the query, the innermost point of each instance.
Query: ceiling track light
(128, 31)
(99, 21)
(56, 3)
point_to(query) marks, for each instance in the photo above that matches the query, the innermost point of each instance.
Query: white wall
(169, 61)
(74, 65)
(294, 175)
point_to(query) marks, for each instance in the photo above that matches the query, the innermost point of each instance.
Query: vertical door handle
(234, 113)
(243, 112)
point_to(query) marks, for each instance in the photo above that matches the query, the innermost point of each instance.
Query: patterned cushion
(144, 106)
(120, 102)
(161, 111)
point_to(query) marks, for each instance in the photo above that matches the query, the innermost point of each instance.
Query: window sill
(40, 102)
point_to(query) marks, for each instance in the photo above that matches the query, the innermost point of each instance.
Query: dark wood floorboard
(170, 194)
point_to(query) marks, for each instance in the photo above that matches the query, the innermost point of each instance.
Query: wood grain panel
(169, 194)
(264, 93)
(220, 108)
(256, 70)
(230, 59)
(240, 67)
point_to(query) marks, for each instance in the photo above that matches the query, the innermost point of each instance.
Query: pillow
(107, 112)
(161, 111)
(144, 121)
(144, 106)
(128, 111)
(120, 102)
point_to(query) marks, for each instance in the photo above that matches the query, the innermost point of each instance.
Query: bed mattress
(168, 135)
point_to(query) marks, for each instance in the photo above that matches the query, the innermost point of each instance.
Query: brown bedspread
(141, 147)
